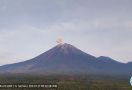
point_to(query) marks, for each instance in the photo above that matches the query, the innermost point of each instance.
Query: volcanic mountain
(67, 59)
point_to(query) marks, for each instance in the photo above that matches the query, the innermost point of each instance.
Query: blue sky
(98, 27)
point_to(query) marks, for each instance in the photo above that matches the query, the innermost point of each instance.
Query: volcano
(67, 59)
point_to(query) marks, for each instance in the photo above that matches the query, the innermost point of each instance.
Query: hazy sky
(98, 27)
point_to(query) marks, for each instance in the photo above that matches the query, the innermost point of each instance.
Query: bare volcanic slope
(67, 59)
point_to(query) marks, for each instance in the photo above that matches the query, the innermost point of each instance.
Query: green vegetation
(65, 82)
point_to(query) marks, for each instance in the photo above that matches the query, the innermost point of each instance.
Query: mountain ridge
(67, 59)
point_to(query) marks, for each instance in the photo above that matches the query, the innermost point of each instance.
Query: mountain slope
(67, 59)
(61, 58)
(113, 66)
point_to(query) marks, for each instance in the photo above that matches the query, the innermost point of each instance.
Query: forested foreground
(70, 82)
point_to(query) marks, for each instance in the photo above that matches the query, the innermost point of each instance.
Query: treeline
(72, 82)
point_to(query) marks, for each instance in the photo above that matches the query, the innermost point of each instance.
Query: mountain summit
(67, 59)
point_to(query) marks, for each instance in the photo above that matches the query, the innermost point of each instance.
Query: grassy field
(66, 82)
